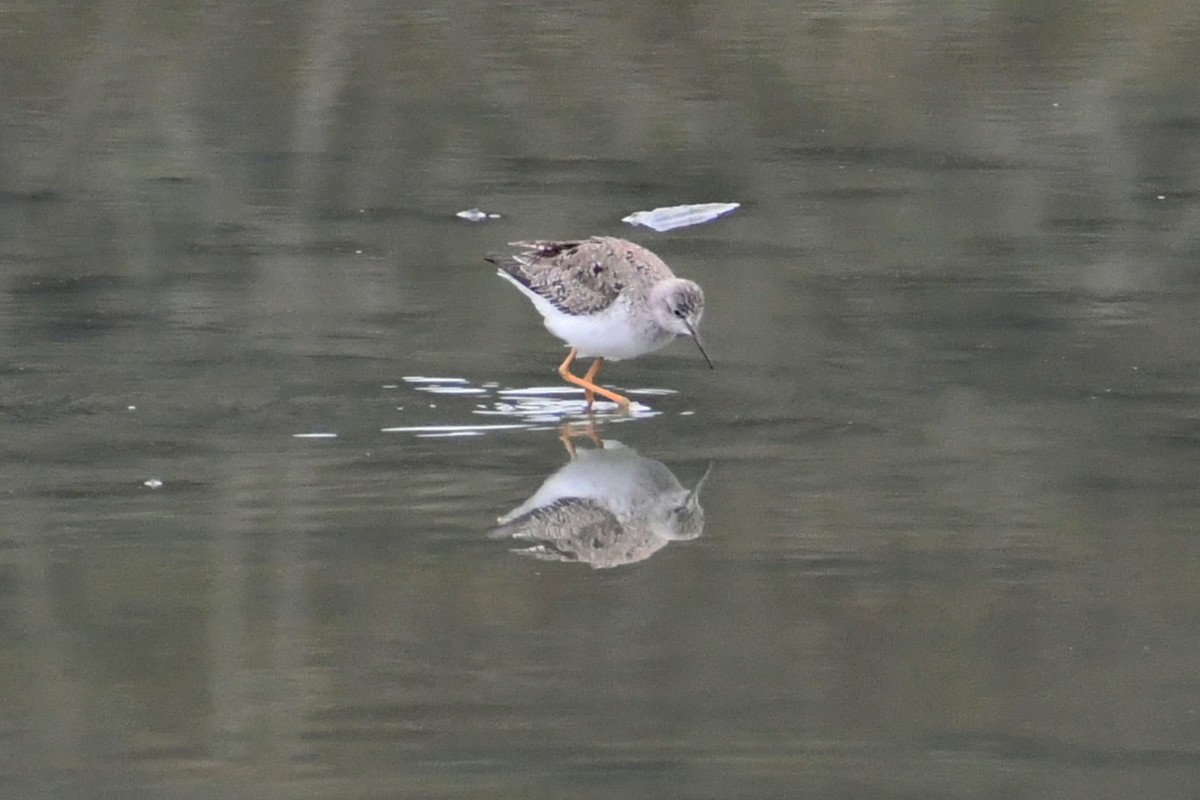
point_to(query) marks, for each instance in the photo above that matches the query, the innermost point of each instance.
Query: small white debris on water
(314, 435)
(475, 215)
(153, 483)
(131, 408)
(671, 217)
(423, 379)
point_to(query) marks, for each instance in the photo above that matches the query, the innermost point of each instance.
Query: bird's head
(683, 518)
(678, 306)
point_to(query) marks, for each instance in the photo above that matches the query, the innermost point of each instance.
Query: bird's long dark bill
(696, 339)
(694, 494)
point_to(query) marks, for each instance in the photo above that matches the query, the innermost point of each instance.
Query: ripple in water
(522, 408)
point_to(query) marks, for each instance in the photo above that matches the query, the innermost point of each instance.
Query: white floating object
(475, 215)
(460, 429)
(153, 483)
(652, 391)
(538, 391)
(451, 390)
(423, 379)
(671, 217)
(314, 435)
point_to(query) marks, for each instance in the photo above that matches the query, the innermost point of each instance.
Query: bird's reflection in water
(606, 507)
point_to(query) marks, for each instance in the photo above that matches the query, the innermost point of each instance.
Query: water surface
(263, 401)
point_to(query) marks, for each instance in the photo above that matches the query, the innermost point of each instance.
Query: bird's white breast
(623, 330)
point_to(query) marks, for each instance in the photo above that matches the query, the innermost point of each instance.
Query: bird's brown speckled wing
(569, 529)
(580, 277)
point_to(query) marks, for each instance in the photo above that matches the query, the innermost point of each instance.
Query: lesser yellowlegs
(606, 507)
(607, 299)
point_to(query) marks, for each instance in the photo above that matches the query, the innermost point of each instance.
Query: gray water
(949, 538)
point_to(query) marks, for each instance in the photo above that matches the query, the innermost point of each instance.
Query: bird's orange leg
(589, 387)
(590, 377)
(566, 433)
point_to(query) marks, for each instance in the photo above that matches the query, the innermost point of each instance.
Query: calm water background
(951, 539)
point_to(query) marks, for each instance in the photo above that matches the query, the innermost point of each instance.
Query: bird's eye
(678, 312)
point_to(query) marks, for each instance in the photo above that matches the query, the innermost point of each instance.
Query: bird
(607, 298)
(606, 507)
